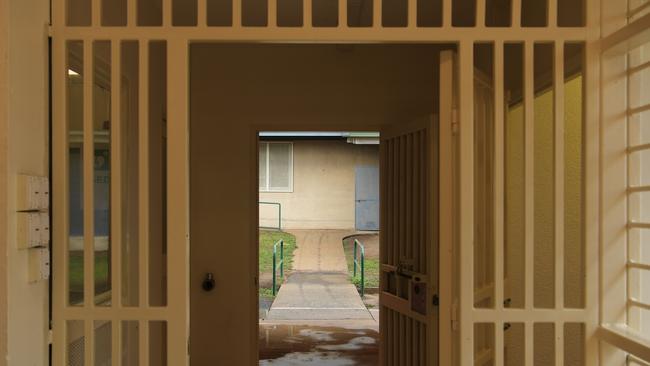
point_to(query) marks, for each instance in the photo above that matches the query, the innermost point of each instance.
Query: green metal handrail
(275, 264)
(357, 243)
(279, 228)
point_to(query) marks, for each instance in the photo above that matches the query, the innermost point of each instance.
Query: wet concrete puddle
(289, 345)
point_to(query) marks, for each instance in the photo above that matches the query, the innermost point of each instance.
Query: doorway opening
(392, 89)
(318, 247)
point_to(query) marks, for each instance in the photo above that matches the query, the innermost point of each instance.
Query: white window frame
(267, 187)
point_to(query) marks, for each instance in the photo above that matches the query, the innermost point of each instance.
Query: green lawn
(102, 283)
(371, 266)
(267, 239)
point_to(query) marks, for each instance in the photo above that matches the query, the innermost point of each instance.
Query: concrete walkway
(318, 288)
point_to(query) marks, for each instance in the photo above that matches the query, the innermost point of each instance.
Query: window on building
(276, 166)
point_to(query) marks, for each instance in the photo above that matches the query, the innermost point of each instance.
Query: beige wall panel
(27, 151)
(323, 194)
(232, 94)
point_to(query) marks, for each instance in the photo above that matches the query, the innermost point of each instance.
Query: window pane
(75, 101)
(534, 13)
(78, 12)
(280, 166)
(157, 343)
(514, 339)
(574, 344)
(544, 344)
(574, 261)
(514, 231)
(158, 173)
(149, 13)
(102, 170)
(129, 109)
(544, 178)
(484, 176)
(130, 342)
(484, 343)
(263, 167)
(113, 12)
(75, 342)
(103, 336)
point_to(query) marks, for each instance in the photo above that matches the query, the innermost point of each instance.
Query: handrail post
(282, 258)
(354, 259)
(274, 268)
(363, 269)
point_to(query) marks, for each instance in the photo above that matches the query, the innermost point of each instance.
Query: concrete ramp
(319, 289)
(318, 296)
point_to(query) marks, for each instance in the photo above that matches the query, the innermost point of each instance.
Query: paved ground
(330, 343)
(318, 288)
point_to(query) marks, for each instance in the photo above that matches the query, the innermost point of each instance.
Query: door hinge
(188, 346)
(454, 122)
(49, 336)
(454, 316)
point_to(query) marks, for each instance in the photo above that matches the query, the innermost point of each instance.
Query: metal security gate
(102, 42)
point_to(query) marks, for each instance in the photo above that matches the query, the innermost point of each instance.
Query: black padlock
(208, 282)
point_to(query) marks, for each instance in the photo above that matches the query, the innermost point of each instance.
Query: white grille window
(276, 166)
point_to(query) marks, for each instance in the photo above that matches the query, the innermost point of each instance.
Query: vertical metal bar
(132, 13)
(272, 13)
(282, 258)
(59, 10)
(499, 194)
(178, 202)
(202, 13)
(446, 13)
(143, 174)
(516, 14)
(167, 13)
(343, 13)
(466, 161)
(552, 13)
(528, 343)
(558, 83)
(445, 214)
(412, 20)
(236, 16)
(88, 172)
(377, 13)
(143, 343)
(96, 12)
(529, 189)
(306, 13)
(60, 215)
(592, 79)
(480, 13)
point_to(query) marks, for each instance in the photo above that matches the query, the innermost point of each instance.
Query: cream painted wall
(323, 194)
(27, 152)
(238, 88)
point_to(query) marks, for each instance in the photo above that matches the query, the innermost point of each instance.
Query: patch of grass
(371, 267)
(267, 239)
(76, 273)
